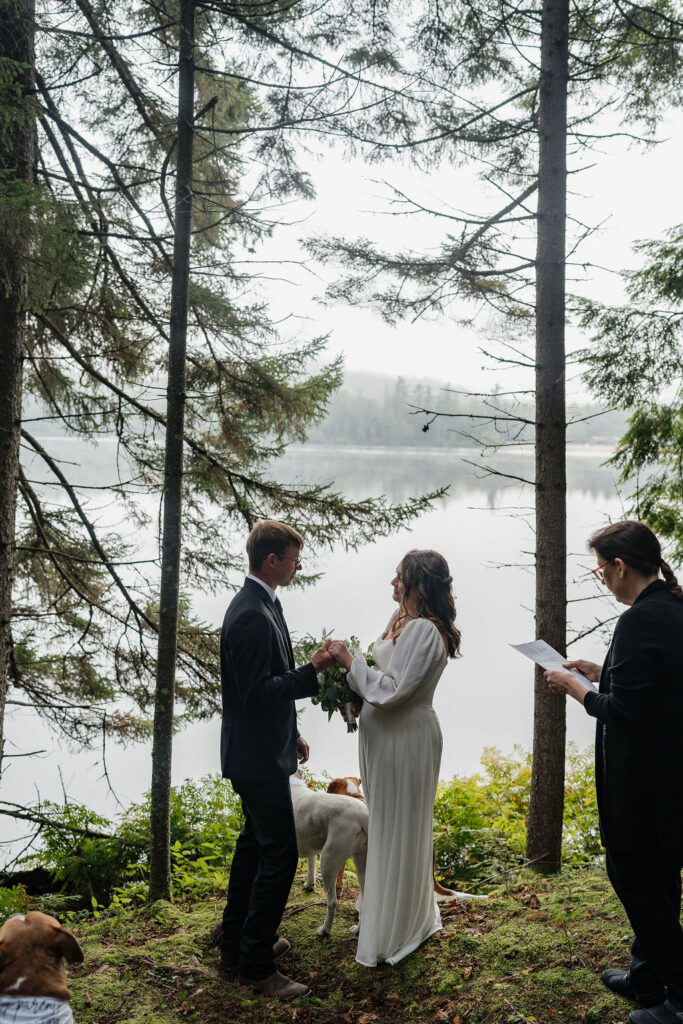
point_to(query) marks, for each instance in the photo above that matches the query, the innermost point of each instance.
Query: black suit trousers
(648, 883)
(261, 875)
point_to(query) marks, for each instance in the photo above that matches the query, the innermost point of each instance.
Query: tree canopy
(85, 612)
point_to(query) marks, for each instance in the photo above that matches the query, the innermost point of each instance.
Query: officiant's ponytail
(638, 547)
(426, 577)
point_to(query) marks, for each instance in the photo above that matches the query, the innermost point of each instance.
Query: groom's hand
(322, 658)
(302, 750)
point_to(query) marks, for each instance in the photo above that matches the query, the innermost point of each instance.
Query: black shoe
(619, 982)
(665, 1012)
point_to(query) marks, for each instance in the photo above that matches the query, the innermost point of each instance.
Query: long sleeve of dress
(417, 648)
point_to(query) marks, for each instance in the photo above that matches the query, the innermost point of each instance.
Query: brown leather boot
(277, 985)
(281, 947)
(230, 962)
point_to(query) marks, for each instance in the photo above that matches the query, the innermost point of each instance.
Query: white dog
(336, 827)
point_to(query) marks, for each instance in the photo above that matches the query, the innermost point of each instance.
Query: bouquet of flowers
(334, 692)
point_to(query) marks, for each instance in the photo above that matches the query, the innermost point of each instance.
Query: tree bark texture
(160, 857)
(17, 154)
(544, 833)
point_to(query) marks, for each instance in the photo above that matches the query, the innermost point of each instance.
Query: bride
(400, 755)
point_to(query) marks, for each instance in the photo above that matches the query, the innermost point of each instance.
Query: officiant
(639, 762)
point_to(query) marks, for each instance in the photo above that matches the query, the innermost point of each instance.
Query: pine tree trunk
(160, 856)
(544, 834)
(17, 152)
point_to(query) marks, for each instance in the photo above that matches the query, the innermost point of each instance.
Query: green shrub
(480, 820)
(205, 821)
(479, 834)
(89, 867)
(13, 900)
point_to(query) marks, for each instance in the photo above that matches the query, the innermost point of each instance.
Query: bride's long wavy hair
(426, 577)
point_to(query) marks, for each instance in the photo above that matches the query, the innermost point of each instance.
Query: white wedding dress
(400, 754)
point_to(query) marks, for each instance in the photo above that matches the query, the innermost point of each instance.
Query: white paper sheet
(548, 658)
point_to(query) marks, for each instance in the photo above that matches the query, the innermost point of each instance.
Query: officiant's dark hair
(636, 545)
(268, 537)
(426, 576)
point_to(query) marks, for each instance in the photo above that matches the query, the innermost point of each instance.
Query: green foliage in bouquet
(334, 692)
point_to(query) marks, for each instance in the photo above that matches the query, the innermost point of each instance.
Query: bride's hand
(341, 654)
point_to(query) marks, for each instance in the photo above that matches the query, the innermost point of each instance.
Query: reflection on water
(400, 473)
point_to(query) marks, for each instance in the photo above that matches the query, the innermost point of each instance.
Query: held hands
(322, 658)
(332, 651)
(341, 654)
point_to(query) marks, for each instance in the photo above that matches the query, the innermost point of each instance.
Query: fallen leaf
(467, 972)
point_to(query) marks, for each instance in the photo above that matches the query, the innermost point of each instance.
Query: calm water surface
(484, 527)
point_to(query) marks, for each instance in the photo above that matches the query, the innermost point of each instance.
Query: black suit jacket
(639, 735)
(259, 684)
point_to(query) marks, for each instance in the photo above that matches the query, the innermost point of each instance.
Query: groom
(259, 749)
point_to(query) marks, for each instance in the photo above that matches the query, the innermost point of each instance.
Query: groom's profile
(259, 750)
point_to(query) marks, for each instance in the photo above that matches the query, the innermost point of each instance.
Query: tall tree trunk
(544, 834)
(160, 856)
(17, 152)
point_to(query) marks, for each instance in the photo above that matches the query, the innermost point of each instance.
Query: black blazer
(639, 735)
(259, 684)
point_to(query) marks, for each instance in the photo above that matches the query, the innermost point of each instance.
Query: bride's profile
(400, 755)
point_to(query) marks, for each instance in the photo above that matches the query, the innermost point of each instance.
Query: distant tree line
(378, 410)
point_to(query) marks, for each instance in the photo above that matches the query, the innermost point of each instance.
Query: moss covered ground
(531, 952)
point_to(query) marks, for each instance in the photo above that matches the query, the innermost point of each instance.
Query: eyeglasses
(298, 564)
(598, 573)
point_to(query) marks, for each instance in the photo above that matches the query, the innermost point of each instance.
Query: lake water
(484, 527)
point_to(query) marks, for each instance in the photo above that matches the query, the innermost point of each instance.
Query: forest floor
(531, 953)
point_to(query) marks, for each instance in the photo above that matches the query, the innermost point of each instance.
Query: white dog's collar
(34, 1010)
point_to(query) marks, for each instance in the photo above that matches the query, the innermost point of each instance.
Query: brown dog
(350, 786)
(32, 953)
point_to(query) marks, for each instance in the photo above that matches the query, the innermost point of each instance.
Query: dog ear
(2, 953)
(67, 945)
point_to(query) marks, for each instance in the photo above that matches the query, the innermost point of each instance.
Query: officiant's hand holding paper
(567, 682)
(562, 676)
(564, 682)
(589, 669)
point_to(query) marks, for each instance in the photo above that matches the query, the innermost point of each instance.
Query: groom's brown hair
(270, 537)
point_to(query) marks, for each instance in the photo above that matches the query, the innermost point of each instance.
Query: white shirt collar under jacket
(264, 585)
(34, 1010)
